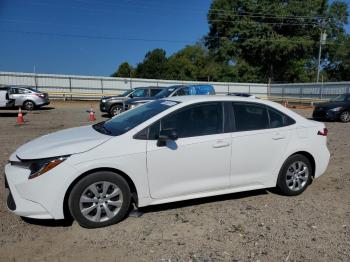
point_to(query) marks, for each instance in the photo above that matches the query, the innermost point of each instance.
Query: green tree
(124, 70)
(273, 37)
(153, 66)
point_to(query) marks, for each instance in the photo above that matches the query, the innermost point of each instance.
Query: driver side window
(198, 120)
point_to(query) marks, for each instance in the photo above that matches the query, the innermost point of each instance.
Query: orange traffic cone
(92, 117)
(20, 119)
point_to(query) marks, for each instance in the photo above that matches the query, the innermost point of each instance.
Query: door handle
(220, 144)
(278, 136)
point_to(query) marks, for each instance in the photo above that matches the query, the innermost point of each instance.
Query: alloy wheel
(101, 201)
(29, 105)
(297, 176)
(345, 116)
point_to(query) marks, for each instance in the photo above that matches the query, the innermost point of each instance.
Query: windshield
(127, 92)
(339, 98)
(165, 92)
(32, 89)
(126, 121)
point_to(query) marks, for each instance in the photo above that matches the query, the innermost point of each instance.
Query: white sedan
(164, 151)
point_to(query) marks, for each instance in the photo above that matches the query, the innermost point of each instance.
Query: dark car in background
(336, 109)
(113, 105)
(177, 90)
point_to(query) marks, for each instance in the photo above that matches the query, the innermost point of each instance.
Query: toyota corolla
(164, 151)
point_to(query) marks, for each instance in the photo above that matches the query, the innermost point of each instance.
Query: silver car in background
(28, 98)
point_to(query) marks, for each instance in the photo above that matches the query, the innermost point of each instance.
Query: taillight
(324, 132)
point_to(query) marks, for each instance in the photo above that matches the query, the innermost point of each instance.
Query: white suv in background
(167, 150)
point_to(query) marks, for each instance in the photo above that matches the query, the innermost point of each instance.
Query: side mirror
(166, 135)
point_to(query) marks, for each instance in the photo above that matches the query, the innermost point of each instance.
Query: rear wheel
(345, 116)
(115, 110)
(295, 175)
(100, 199)
(29, 105)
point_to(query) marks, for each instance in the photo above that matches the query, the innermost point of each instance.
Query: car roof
(187, 100)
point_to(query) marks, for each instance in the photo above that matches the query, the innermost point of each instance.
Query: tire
(292, 182)
(345, 117)
(115, 110)
(99, 199)
(29, 105)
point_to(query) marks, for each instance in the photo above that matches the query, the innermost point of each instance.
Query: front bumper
(16, 203)
(41, 197)
(325, 114)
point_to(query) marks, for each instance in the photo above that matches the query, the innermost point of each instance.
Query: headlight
(103, 100)
(133, 106)
(40, 167)
(336, 109)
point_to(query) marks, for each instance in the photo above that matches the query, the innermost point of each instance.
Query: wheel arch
(309, 157)
(134, 195)
(28, 100)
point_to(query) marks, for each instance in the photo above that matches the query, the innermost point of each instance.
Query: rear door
(258, 144)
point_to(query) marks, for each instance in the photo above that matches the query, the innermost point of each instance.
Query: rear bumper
(43, 103)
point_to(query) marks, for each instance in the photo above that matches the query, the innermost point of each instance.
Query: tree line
(259, 41)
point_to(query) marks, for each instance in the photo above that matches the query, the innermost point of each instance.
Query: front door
(199, 161)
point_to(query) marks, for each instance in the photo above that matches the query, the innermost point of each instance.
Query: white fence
(92, 86)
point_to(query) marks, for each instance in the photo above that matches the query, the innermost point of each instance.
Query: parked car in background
(5, 101)
(177, 90)
(242, 95)
(113, 105)
(336, 109)
(168, 150)
(28, 98)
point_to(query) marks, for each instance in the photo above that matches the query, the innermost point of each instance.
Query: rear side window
(155, 91)
(250, 116)
(278, 119)
(185, 91)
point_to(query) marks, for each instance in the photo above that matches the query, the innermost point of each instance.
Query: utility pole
(323, 37)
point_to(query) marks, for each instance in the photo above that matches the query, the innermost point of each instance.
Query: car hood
(139, 100)
(330, 104)
(113, 97)
(65, 142)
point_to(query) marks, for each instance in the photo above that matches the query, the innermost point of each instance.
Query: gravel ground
(251, 226)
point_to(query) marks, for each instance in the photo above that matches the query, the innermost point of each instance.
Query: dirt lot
(253, 226)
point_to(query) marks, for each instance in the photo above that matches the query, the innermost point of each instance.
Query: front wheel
(345, 116)
(115, 110)
(100, 199)
(295, 175)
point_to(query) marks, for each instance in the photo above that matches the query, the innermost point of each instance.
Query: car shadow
(200, 201)
(48, 222)
(105, 116)
(11, 114)
(320, 120)
(45, 108)
(152, 209)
